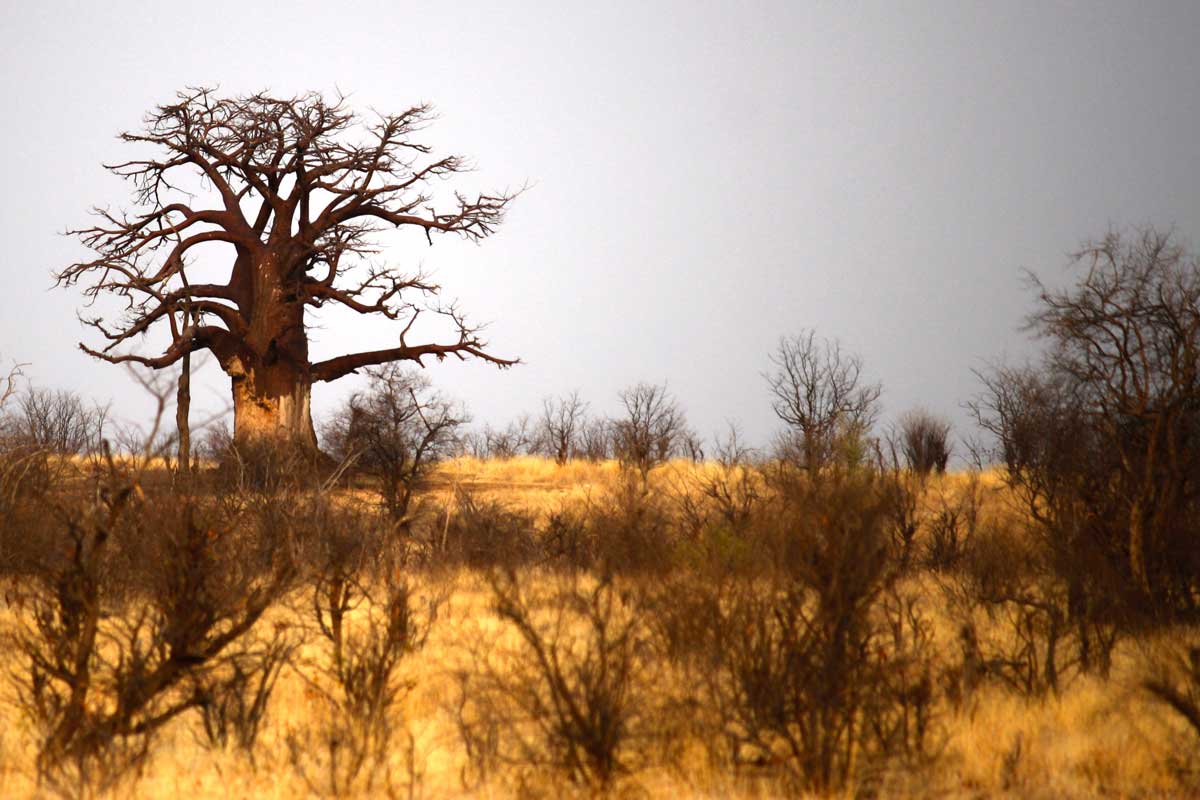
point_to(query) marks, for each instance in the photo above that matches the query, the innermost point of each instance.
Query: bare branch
(320, 182)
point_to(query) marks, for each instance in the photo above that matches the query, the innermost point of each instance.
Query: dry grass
(530, 483)
(1097, 738)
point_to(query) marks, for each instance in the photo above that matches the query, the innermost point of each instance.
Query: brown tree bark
(298, 201)
(269, 373)
(272, 401)
(183, 405)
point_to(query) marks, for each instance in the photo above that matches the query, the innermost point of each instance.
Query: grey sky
(708, 176)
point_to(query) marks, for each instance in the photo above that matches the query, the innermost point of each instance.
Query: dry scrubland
(833, 618)
(486, 666)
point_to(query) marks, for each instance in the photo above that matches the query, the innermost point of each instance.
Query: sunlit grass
(1095, 738)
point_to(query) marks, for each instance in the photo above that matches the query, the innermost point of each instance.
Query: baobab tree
(300, 188)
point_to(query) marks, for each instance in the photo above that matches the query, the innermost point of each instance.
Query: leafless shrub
(818, 670)
(819, 393)
(953, 525)
(59, 421)
(395, 432)
(561, 423)
(365, 664)
(100, 678)
(718, 503)
(595, 439)
(904, 489)
(37, 432)
(480, 532)
(902, 717)
(567, 695)
(682, 611)
(1027, 607)
(652, 429)
(475, 444)
(925, 442)
(1034, 645)
(566, 536)
(370, 628)
(631, 529)
(8, 384)
(691, 445)
(128, 438)
(104, 662)
(270, 468)
(734, 487)
(519, 437)
(27, 473)
(215, 443)
(233, 703)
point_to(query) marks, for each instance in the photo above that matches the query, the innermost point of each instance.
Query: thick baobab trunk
(270, 375)
(271, 404)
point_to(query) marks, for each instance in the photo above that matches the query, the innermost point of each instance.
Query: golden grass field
(1097, 738)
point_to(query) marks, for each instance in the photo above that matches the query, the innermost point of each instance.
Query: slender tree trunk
(1137, 545)
(183, 404)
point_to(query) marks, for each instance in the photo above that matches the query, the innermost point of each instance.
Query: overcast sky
(705, 176)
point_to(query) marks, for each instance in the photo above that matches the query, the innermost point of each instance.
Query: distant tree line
(782, 586)
(1099, 436)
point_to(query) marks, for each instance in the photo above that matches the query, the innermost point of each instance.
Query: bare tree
(1102, 438)
(59, 421)
(595, 439)
(818, 391)
(396, 431)
(651, 430)
(1129, 337)
(561, 423)
(924, 441)
(8, 384)
(570, 693)
(298, 189)
(519, 437)
(728, 491)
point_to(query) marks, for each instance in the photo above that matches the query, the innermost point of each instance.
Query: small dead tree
(370, 625)
(725, 494)
(396, 431)
(818, 669)
(25, 468)
(99, 679)
(596, 439)
(652, 428)
(233, 701)
(561, 423)
(925, 442)
(59, 421)
(519, 437)
(8, 384)
(818, 391)
(904, 489)
(569, 692)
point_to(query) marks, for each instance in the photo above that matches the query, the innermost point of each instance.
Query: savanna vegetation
(394, 603)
